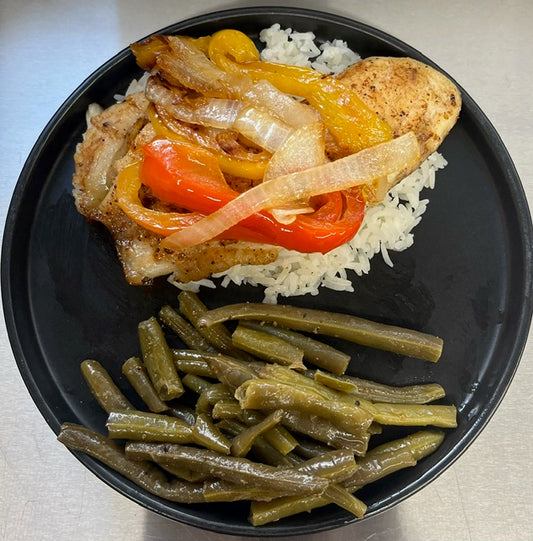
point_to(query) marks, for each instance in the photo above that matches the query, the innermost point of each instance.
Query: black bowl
(467, 278)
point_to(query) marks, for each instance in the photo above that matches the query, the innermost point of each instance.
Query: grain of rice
(299, 49)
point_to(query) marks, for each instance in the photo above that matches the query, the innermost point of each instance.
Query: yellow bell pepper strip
(188, 176)
(146, 51)
(201, 43)
(252, 168)
(128, 185)
(350, 121)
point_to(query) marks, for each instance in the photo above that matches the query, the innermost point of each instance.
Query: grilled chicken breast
(408, 95)
(107, 139)
(111, 142)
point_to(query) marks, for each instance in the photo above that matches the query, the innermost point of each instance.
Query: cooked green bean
(362, 331)
(241, 444)
(232, 372)
(103, 388)
(211, 395)
(188, 334)
(183, 412)
(336, 466)
(193, 362)
(261, 448)
(224, 491)
(278, 436)
(202, 404)
(263, 512)
(217, 490)
(374, 466)
(217, 335)
(268, 347)
(183, 473)
(338, 495)
(227, 409)
(290, 377)
(393, 456)
(136, 374)
(411, 414)
(378, 392)
(309, 448)
(196, 383)
(158, 360)
(205, 433)
(332, 466)
(269, 395)
(420, 444)
(323, 430)
(290, 459)
(315, 352)
(247, 408)
(337, 383)
(216, 392)
(142, 473)
(140, 425)
(281, 439)
(240, 471)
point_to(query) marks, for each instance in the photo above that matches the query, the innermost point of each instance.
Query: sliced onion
(211, 112)
(285, 107)
(357, 169)
(267, 122)
(187, 64)
(259, 126)
(215, 112)
(286, 214)
(303, 149)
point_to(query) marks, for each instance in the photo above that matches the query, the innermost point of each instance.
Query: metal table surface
(46, 50)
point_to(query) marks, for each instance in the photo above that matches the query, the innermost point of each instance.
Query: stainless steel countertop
(46, 50)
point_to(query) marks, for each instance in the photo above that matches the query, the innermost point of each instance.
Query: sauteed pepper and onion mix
(307, 168)
(243, 402)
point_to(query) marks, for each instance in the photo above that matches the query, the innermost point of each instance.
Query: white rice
(387, 227)
(136, 85)
(299, 49)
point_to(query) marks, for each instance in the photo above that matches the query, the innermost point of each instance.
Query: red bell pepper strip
(189, 176)
(160, 222)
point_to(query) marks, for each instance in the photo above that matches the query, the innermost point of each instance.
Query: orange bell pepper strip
(162, 223)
